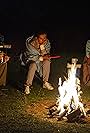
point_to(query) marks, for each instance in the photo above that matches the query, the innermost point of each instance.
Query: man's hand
(41, 58)
(6, 58)
(45, 57)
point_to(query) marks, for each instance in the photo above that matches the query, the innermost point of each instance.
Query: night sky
(67, 23)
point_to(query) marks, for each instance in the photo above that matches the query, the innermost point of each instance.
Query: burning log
(52, 110)
(74, 115)
(62, 115)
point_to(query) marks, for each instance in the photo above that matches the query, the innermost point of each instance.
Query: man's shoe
(48, 86)
(27, 90)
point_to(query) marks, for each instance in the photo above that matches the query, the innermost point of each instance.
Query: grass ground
(20, 113)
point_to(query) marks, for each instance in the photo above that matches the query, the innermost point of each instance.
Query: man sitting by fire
(86, 65)
(36, 56)
(3, 68)
(4, 58)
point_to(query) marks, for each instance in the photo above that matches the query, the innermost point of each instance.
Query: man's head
(42, 37)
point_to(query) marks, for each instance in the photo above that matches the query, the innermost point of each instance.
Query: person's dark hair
(40, 33)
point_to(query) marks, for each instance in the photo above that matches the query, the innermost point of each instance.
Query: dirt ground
(28, 114)
(40, 110)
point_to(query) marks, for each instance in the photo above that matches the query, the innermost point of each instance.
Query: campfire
(69, 102)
